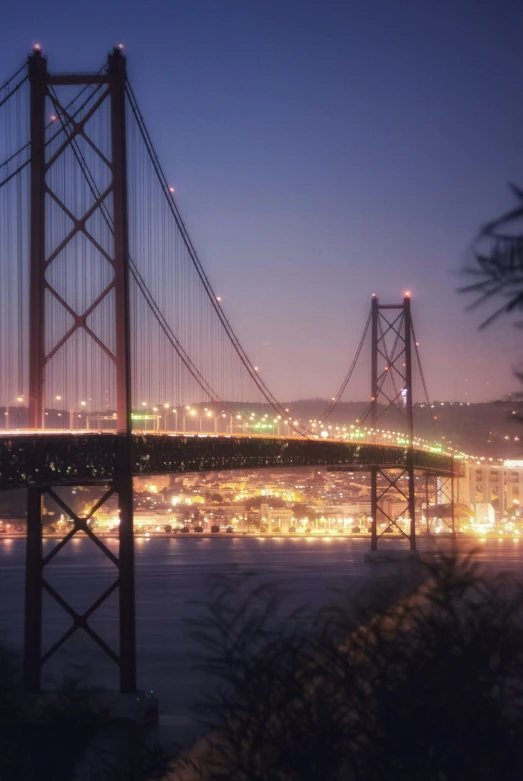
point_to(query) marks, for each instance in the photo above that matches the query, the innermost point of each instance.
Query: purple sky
(322, 151)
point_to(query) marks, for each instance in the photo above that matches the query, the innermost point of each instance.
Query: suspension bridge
(118, 358)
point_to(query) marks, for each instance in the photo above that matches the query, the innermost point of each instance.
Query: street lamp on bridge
(207, 414)
(167, 408)
(72, 411)
(224, 415)
(188, 411)
(19, 399)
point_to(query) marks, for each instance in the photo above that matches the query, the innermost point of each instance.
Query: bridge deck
(51, 459)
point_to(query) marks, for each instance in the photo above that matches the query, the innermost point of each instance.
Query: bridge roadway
(44, 459)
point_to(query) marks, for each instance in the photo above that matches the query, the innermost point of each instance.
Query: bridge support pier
(374, 507)
(440, 500)
(124, 487)
(36, 582)
(393, 497)
(32, 669)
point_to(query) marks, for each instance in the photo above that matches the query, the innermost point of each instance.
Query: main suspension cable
(13, 77)
(349, 374)
(204, 385)
(420, 367)
(13, 91)
(49, 124)
(197, 264)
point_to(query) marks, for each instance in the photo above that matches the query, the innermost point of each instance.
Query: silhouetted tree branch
(431, 688)
(498, 269)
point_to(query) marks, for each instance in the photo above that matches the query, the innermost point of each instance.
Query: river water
(173, 577)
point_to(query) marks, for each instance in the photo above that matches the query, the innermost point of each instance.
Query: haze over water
(173, 576)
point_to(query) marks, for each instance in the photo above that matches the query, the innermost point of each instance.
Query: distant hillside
(479, 429)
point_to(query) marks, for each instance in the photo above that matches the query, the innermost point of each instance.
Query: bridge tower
(391, 389)
(71, 137)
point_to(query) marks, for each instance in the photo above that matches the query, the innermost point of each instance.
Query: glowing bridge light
(172, 189)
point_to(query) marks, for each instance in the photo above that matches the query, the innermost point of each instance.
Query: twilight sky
(322, 151)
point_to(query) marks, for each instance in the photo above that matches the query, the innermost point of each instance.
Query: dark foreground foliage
(430, 690)
(69, 738)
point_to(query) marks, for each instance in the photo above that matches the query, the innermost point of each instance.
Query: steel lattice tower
(391, 387)
(112, 83)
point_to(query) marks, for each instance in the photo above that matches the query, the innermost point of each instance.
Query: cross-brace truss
(37, 583)
(439, 501)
